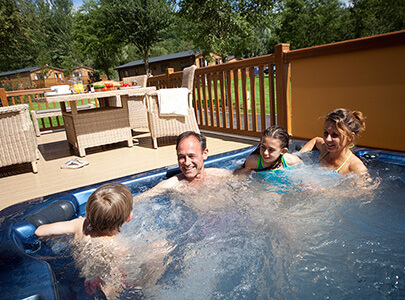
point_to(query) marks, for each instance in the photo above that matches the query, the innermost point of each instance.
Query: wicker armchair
(137, 111)
(139, 80)
(171, 126)
(18, 143)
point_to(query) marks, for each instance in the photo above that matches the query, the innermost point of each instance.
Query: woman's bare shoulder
(357, 166)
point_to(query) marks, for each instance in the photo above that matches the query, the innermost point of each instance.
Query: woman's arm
(312, 144)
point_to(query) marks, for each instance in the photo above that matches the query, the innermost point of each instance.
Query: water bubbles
(300, 233)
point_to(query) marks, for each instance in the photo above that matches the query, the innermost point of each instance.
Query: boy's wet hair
(278, 133)
(199, 137)
(109, 206)
(347, 121)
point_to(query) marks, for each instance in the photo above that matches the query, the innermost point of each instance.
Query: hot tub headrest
(60, 210)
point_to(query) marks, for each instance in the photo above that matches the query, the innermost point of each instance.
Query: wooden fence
(303, 86)
(366, 75)
(28, 97)
(237, 97)
(294, 89)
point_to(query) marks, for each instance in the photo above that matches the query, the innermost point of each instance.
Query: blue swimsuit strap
(285, 165)
(260, 166)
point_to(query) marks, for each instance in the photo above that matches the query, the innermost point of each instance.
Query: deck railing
(236, 97)
(294, 89)
(28, 97)
(304, 85)
(365, 74)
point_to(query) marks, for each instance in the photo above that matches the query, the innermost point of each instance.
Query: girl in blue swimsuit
(272, 154)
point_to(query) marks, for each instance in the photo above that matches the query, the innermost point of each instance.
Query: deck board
(18, 183)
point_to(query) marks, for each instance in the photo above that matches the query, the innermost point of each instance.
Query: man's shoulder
(171, 182)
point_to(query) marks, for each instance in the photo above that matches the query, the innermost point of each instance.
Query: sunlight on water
(303, 233)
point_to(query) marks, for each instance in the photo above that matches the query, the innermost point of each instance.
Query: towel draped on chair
(173, 102)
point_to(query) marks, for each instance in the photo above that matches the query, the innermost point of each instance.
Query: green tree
(139, 22)
(217, 26)
(18, 34)
(371, 17)
(94, 43)
(56, 21)
(306, 23)
(264, 19)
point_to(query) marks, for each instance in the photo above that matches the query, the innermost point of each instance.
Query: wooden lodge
(81, 73)
(177, 61)
(45, 77)
(33, 77)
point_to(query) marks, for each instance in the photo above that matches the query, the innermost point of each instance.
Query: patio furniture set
(119, 112)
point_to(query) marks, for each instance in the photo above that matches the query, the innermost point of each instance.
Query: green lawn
(53, 120)
(47, 121)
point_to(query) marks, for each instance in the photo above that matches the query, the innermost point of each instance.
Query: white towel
(173, 102)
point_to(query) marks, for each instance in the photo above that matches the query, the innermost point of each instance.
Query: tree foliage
(18, 34)
(371, 17)
(307, 23)
(217, 26)
(56, 21)
(94, 43)
(139, 22)
(106, 33)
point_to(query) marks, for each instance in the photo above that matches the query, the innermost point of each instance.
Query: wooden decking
(18, 183)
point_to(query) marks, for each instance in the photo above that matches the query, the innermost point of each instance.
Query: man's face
(191, 158)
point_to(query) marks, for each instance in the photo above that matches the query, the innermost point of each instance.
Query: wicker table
(106, 124)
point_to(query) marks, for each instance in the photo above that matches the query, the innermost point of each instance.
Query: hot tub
(301, 233)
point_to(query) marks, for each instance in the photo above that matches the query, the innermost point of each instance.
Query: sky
(77, 3)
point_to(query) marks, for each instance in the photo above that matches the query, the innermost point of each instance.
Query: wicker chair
(137, 111)
(139, 80)
(18, 143)
(171, 126)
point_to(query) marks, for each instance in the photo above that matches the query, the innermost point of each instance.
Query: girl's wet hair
(347, 122)
(278, 133)
(109, 206)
